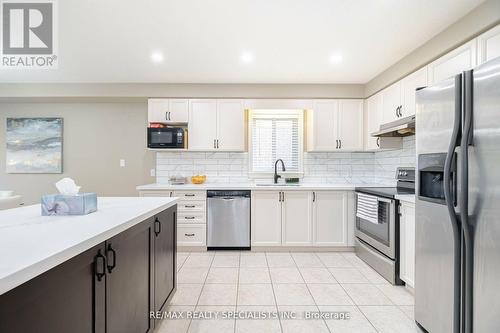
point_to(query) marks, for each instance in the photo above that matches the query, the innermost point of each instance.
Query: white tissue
(67, 186)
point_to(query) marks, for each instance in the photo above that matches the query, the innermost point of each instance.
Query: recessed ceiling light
(247, 57)
(336, 58)
(157, 57)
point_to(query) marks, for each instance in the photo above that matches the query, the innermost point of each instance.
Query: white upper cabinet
(488, 45)
(460, 59)
(334, 125)
(179, 110)
(297, 218)
(409, 86)
(373, 115)
(398, 100)
(322, 126)
(161, 110)
(350, 124)
(202, 127)
(330, 216)
(372, 122)
(391, 103)
(216, 125)
(231, 125)
(266, 218)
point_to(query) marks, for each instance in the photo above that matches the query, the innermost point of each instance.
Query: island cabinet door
(129, 280)
(164, 256)
(68, 298)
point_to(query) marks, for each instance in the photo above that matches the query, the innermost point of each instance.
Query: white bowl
(4, 194)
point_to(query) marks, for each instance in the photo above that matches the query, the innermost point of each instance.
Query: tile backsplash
(223, 167)
(386, 162)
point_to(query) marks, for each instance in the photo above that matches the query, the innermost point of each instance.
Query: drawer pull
(189, 206)
(189, 217)
(189, 235)
(189, 195)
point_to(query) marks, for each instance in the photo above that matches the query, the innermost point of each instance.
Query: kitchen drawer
(191, 235)
(190, 195)
(155, 193)
(190, 206)
(191, 217)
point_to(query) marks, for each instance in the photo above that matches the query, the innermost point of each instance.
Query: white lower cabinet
(191, 215)
(266, 218)
(296, 218)
(191, 235)
(407, 243)
(330, 216)
(300, 218)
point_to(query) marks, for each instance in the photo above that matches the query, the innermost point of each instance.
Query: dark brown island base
(110, 288)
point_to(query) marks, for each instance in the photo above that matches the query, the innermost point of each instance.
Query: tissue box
(60, 204)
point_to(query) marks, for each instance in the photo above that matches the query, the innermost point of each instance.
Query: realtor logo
(28, 34)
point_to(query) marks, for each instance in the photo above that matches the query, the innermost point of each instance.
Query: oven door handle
(385, 200)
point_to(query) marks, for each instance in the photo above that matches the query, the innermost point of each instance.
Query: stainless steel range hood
(400, 127)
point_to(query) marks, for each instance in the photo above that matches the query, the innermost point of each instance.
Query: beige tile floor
(297, 282)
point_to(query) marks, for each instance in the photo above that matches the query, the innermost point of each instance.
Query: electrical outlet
(152, 173)
(122, 163)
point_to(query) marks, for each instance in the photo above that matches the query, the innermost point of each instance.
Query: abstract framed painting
(34, 145)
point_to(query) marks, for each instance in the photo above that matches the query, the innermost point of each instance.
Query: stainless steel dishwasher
(228, 219)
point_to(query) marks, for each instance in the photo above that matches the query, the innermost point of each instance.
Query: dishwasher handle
(227, 198)
(227, 194)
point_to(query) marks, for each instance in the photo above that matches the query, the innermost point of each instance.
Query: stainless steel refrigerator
(457, 265)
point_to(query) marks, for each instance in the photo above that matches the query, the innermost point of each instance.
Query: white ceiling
(202, 41)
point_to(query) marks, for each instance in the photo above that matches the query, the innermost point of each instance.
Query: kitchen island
(102, 272)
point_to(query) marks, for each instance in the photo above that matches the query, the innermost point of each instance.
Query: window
(276, 134)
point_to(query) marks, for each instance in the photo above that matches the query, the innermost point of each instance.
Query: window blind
(274, 138)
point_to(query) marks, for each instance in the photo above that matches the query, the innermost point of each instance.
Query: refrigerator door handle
(449, 191)
(464, 199)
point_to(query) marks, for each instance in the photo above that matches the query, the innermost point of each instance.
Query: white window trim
(272, 113)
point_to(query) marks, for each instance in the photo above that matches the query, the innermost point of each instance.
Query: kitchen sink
(271, 184)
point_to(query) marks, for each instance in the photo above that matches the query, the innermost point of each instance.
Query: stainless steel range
(377, 224)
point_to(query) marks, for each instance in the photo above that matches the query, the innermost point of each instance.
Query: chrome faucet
(276, 176)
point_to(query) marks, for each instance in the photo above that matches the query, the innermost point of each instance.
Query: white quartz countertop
(31, 244)
(406, 197)
(254, 186)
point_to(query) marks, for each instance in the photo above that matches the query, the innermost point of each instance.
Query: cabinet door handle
(189, 195)
(314, 196)
(378, 142)
(340, 144)
(99, 265)
(283, 196)
(157, 230)
(190, 206)
(189, 235)
(113, 265)
(397, 114)
(337, 146)
(217, 143)
(400, 111)
(215, 146)
(166, 115)
(189, 217)
(279, 196)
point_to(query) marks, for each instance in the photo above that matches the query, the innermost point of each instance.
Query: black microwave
(166, 137)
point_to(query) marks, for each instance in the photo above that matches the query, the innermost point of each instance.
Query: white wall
(95, 137)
